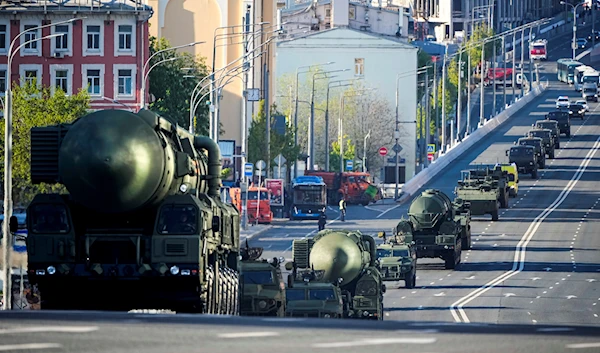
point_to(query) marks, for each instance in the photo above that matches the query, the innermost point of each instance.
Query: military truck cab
(262, 286)
(525, 158)
(307, 295)
(398, 260)
(563, 120)
(540, 150)
(551, 125)
(547, 139)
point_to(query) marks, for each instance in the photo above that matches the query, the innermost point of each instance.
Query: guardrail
(423, 177)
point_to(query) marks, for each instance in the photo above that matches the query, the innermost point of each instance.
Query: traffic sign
(248, 167)
(279, 160)
(260, 165)
(349, 164)
(430, 157)
(397, 148)
(383, 151)
(430, 148)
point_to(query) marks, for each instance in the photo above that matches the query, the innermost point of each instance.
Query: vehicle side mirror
(517, 181)
(381, 235)
(506, 152)
(216, 223)
(13, 224)
(289, 266)
(383, 288)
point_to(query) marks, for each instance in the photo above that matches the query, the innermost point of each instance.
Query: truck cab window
(178, 219)
(49, 218)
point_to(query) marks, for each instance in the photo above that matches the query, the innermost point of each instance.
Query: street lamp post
(145, 75)
(574, 44)
(7, 287)
(327, 115)
(364, 161)
(298, 72)
(311, 121)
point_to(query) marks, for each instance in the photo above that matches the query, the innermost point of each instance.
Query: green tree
(171, 86)
(35, 106)
(283, 144)
(334, 154)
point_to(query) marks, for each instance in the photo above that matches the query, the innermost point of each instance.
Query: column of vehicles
(585, 79)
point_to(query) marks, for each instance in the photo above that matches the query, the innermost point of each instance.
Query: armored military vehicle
(540, 150)
(307, 295)
(350, 259)
(262, 287)
(438, 227)
(142, 226)
(551, 125)
(563, 119)
(547, 139)
(493, 175)
(483, 197)
(398, 260)
(525, 158)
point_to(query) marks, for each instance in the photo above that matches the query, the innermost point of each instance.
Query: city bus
(309, 197)
(565, 70)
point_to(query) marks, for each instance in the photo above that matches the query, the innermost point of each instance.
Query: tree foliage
(284, 144)
(171, 90)
(334, 154)
(35, 106)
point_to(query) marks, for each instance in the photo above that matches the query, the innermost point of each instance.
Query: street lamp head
(329, 63)
(562, 2)
(194, 43)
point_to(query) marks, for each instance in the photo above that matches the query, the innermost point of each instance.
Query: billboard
(227, 148)
(275, 186)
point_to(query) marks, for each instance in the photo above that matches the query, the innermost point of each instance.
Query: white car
(562, 101)
(584, 103)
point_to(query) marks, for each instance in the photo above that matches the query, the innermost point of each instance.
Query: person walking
(322, 220)
(343, 210)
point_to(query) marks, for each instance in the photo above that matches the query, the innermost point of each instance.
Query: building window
(62, 42)
(3, 37)
(30, 76)
(30, 36)
(125, 83)
(125, 34)
(93, 38)
(328, 12)
(359, 67)
(2, 81)
(94, 81)
(61, 80)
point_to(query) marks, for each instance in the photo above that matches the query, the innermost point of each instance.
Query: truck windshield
(321, 294)
(541, 134)
(592, 79)
(520, 151)
(589, 89)
(539, 47)
(178, 219)
(294, 294)
(258, 277)
(528, 143)
(49, 218)
(253, 195)
(309, 195)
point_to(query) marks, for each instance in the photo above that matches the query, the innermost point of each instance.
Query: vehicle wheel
(450, 262)
(504, 200)
(557, 145)
(534, 174)
(543, 165)
(466, 240)
(569, 133)
(365, 203)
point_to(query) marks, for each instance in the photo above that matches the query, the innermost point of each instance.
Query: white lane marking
(388, 210)
(583, 345)
(456, 309)
(375, 341)
(28, 346)
(373, 209)
(248, 334)
(63, 329)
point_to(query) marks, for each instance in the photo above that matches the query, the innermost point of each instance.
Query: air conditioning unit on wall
(58, 55)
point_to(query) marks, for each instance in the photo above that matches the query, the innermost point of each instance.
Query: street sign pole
(248, 171)
(261, 166)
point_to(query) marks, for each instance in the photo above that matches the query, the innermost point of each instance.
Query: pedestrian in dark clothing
(322, 220)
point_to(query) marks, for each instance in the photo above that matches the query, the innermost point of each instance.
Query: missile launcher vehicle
(348, 258)
(397, 259)
(142, 225)
(262, 287)
(438, 227)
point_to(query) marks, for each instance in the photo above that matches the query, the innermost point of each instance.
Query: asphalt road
(147, 333)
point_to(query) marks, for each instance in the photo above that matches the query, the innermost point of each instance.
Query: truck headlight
(327, 316)
(51, 270)
(174, 270)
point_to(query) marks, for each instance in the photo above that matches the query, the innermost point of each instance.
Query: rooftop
(73, 5)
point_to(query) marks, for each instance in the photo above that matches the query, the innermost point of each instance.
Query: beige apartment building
(187, 21)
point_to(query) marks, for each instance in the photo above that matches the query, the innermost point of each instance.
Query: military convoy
(563, 120)
(143, 225)
(525, 158)
(336, 258)
(538, 146)
(485, 189)
(547, 140)
(262, 286)
(551, 125)
(438, 227)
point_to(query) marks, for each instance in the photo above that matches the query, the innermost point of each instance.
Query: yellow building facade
(187, 21)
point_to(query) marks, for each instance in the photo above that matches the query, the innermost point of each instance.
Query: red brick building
(103, 53)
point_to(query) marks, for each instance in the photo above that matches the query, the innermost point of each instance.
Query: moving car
(562, 101)
(584, 104)
(581, 43)
(576, 111)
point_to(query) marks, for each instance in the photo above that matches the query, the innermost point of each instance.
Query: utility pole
(435, 100)
(530, 60)
(482, 74)
(427, 134)
(459, 100)
(514, 75)
(468, 129)
(522, 61)
(267, 112)
(244, 148)
(443, 100)
(494, 76)
(505, 78)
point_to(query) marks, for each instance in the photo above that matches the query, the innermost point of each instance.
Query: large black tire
(452, 261)
(466, 240)
(534, 174)
(504, 200)
(569, 132)
(210, 298)
(543, 164)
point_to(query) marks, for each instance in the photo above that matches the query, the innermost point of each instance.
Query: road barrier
(418, 181)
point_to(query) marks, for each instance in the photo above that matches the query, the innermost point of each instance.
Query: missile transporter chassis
(438, 227)
(142, 226)
(347, 258)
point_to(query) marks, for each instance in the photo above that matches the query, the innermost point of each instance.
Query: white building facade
(377, 59)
